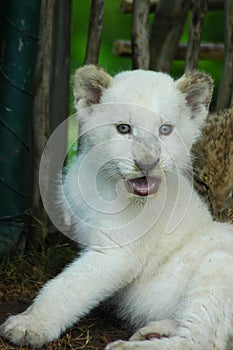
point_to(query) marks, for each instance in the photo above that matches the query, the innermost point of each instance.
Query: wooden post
(226, 84)
(60, 86)
(140, 34)
(167, 28)
(41, 116)
(199, 12)
(94, 31)
(50, 100)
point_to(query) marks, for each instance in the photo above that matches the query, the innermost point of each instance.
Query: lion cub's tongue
(143, 186)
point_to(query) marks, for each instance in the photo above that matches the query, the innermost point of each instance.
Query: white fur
(178, 284)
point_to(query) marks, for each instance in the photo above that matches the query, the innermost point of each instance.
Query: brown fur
(89, 82)
(213, 165)
(193, 84)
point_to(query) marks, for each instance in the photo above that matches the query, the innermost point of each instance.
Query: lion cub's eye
(165, 129)
(124, 128)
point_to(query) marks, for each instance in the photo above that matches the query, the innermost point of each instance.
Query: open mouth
(143, 186)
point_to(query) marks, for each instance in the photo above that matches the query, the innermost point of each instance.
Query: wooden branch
(215, 5)
(226, 84)
(94, 31)
(208, 51)
(126, 6)
(122, 48)
(199, 12)
(166, 31)
(140, 34)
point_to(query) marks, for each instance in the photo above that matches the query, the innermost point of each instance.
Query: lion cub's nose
(146, 166)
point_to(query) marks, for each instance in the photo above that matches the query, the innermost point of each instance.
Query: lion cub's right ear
(89, 83)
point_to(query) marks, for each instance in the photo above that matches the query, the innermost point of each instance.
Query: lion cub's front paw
(157, 329)
(24, 329)
(118, 345)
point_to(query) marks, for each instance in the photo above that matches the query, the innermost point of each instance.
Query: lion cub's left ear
(198, 88)
(89, 83)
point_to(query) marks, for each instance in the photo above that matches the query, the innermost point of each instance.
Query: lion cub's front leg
(66, 298)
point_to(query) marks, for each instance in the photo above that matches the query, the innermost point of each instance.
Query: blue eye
(165, 129)
(124, 128)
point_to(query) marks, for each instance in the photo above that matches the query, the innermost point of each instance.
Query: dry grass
(23, 275)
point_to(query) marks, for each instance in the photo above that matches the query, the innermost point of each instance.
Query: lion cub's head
(139, 125)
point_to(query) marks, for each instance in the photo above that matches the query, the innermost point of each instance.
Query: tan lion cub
(151, 243)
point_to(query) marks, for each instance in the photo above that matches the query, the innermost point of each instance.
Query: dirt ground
(21, 277)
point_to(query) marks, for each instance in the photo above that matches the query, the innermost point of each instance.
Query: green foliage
(118, 26)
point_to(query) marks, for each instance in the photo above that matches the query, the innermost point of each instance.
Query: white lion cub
(151, 243)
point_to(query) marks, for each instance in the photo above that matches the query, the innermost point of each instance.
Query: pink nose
(146, 166)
